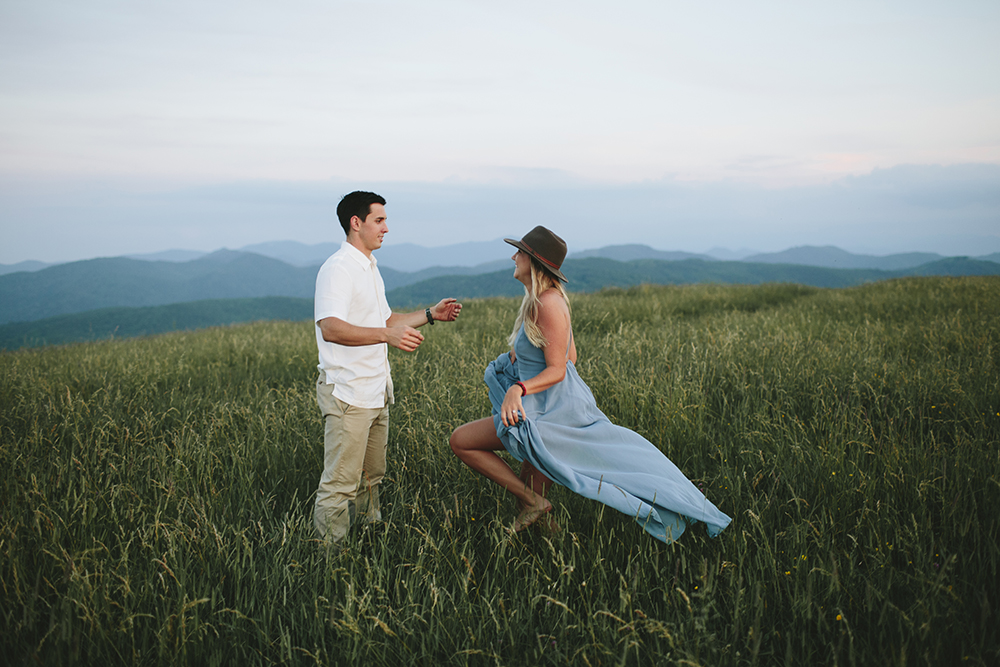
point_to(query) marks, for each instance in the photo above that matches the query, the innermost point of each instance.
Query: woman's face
(522, 267)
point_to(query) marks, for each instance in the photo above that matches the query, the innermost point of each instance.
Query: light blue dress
(569, 439)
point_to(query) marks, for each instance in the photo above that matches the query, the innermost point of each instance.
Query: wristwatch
(430, 318)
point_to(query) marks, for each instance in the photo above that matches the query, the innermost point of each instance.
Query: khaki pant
(355, 443)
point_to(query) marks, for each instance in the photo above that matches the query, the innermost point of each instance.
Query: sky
(139, 127)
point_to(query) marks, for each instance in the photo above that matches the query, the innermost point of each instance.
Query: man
(354, 327)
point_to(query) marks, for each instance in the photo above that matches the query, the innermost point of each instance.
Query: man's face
(373, 228)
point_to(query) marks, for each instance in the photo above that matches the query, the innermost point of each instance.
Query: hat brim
(545, 265)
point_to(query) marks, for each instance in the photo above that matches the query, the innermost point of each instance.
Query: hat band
(554, 266)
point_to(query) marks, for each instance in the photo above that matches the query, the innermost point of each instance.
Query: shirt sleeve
(333, 293)
(383, 302)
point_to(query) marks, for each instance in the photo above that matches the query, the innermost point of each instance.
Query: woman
(546, 417)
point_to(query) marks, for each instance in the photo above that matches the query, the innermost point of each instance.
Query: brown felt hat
(546, 247)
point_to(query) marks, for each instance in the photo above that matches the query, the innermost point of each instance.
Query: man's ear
(356, 223)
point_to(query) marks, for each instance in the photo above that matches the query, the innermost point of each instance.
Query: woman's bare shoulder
(552, 295)
(552, 299)
(553, 305)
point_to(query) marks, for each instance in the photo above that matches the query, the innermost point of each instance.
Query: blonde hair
(541, 280)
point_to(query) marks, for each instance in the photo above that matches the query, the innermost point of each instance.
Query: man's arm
(446, 310)
(336, 330)
(400, 330)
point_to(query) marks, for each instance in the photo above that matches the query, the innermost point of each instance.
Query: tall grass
(157, 497)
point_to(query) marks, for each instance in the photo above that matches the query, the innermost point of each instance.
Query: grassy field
(157, 494)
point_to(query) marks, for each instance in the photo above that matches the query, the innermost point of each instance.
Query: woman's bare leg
(535, 479)
(475, 444)
(538, 482)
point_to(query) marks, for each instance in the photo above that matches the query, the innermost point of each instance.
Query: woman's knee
(463, 439)
(456, 440)
(474, 436)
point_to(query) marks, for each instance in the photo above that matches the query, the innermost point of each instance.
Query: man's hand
(404, 338)
(446, 310)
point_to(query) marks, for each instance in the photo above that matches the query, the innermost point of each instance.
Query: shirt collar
(359, 256)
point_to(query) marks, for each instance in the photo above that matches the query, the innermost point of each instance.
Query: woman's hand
(511, 410)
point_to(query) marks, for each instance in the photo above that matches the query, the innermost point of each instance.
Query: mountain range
(488, 255)
(596, 273)
(120, 282)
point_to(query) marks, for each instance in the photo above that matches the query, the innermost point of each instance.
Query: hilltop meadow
(157, 499)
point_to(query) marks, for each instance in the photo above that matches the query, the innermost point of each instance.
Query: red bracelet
(524, 390)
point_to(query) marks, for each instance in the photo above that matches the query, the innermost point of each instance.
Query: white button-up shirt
(349, 287)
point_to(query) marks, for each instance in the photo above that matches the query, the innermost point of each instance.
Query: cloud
(761, 93)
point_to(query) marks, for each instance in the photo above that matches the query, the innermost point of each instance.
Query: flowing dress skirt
(569, 439)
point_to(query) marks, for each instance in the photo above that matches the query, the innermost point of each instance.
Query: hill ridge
(226, 274)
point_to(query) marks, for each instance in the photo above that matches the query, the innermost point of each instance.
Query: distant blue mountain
(595, 273)
(169, 256)
(955, 266)
(293, 252)
(30, 265)
(228, 274)
(408, 257)
(835, 258)
(111, 282)
(105, 323)
(484, 256)
(627, 253)
(404, 257)
(730, 255)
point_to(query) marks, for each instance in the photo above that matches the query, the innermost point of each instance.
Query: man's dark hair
(357, 203)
